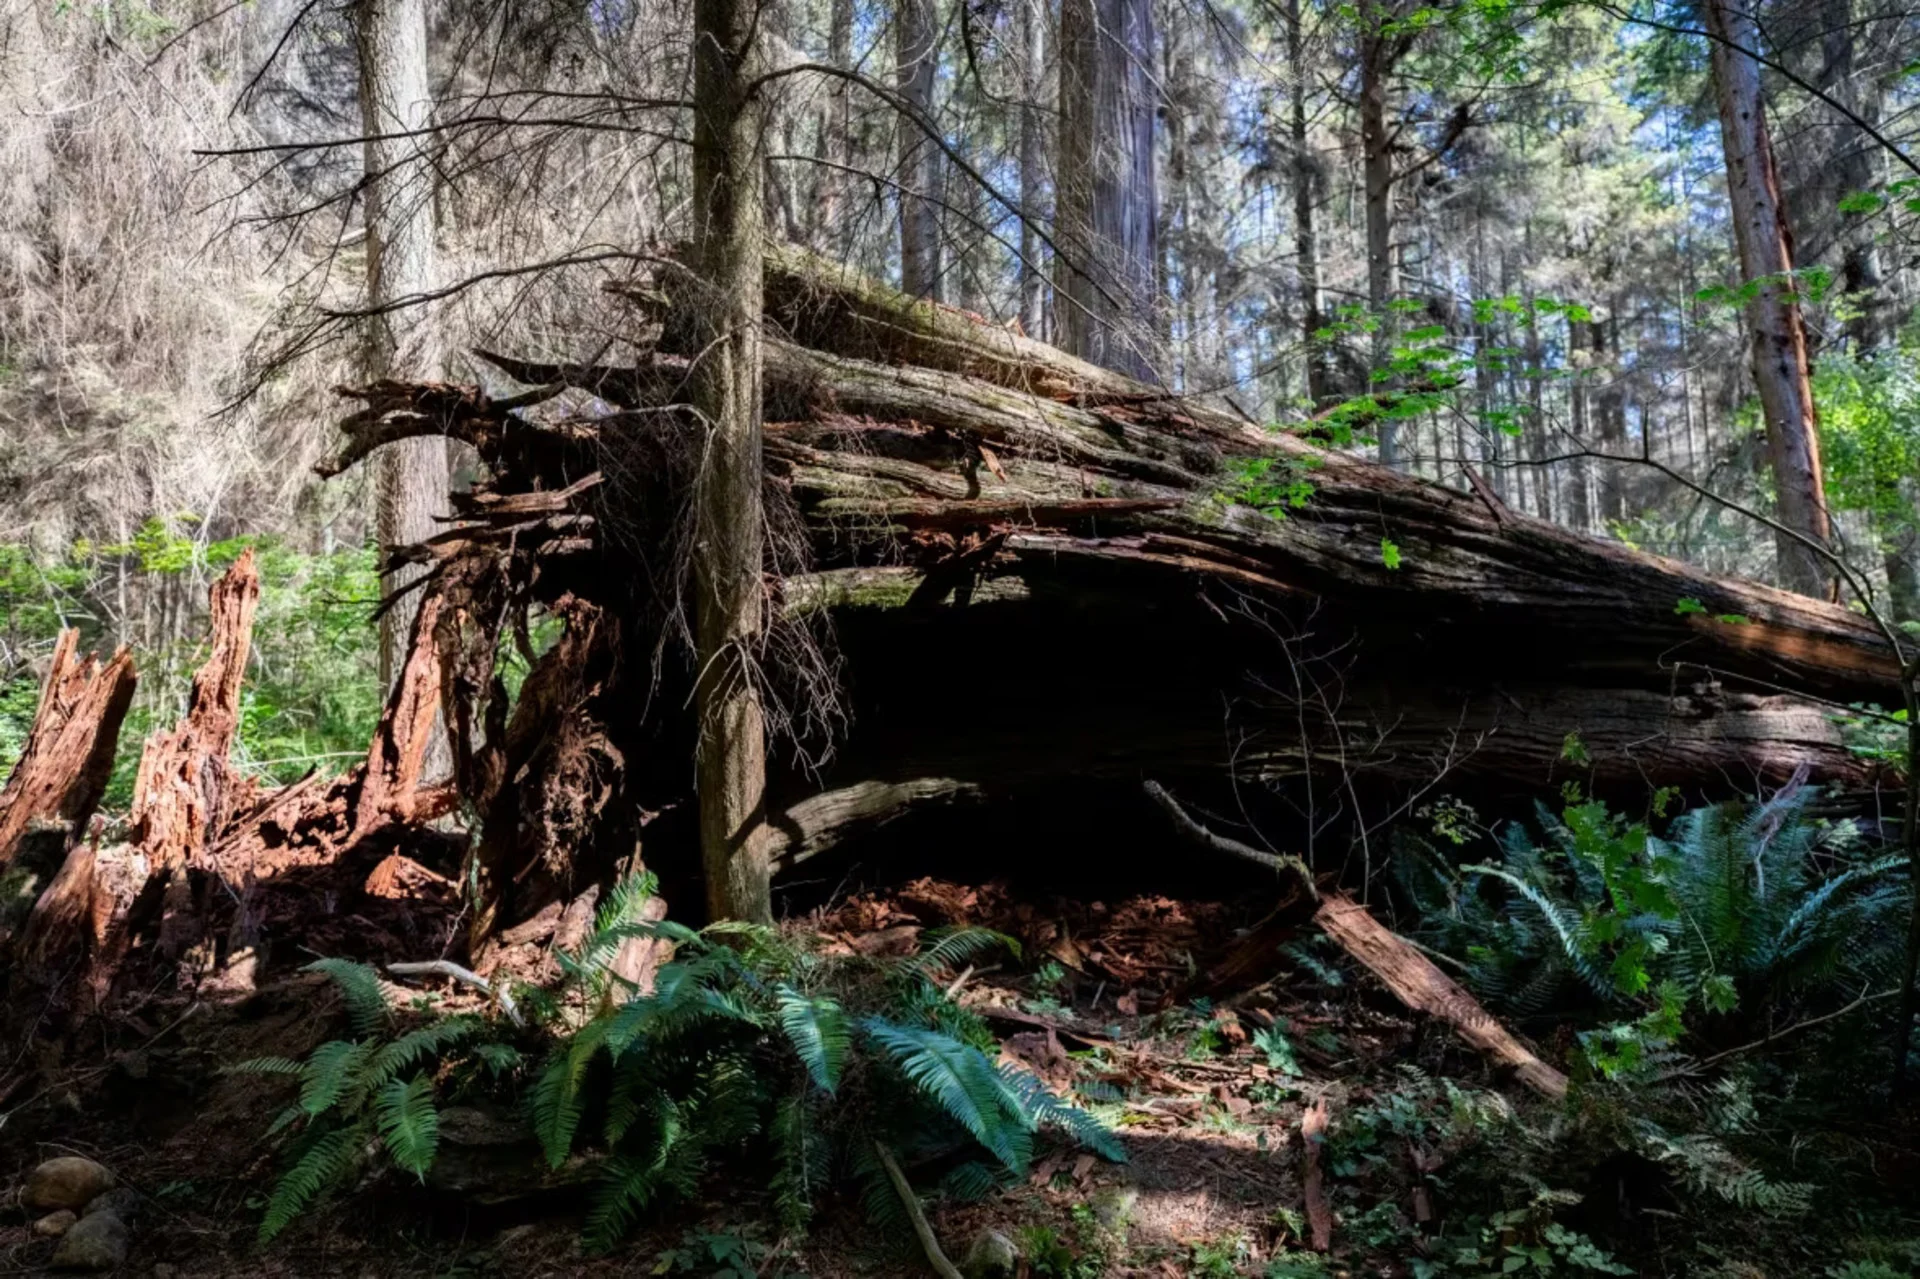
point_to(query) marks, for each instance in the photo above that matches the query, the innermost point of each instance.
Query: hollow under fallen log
(1037, 570)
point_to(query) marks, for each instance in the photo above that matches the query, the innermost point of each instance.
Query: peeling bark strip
(68, 757)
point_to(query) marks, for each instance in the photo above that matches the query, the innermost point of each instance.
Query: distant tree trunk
(1104, 186)
(729, 248)
(1851, 170)
(1609, 408)
(1033, 69)
(1773, 316)
(836, 133)
(916, 62)
(411, 477)
(1379, 52)
(1306, 199)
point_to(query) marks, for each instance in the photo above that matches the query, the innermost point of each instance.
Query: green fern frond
(1567, 933)
(334, 1072)
(264, 1066)
(323, 1164)
(1043, 1109)
(973, 1181)
(416, 1045)
(557, 1107)
(360, 990)
(818, 1031)
(966, 1086)
(499, 1059)
(409, 1124)
(953, 947)
(800, 1161)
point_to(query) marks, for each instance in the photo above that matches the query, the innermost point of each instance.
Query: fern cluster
(365, 1099)
(1738, 907)
(750, 1050)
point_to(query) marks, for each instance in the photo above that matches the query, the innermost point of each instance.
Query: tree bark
(411, 478)
(1306, 200)
(1778, 338)
(916, 65)
(836, 180)
(1104, 194)
(1377, 56)
(68, 757)
(1032, 19)
(729, 247)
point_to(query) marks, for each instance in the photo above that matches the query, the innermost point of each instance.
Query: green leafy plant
(748, 1041)
(1739, 908)
(1528, 1241)
(366, 1100)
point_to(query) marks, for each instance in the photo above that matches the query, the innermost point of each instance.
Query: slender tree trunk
(1376, 58)
(1851, 170)
(1773, 316)
(1104, 184)
(730, 770)
(916, 62)
(1033, 70)
(411, 477)
(836, 134)
(1306, 199)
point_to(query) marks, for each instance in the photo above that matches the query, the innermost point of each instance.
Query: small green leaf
(1390, 552)
(1574, 751)
(1688, 605)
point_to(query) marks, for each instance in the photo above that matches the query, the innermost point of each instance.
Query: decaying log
(821, 822)
(1411, 976)
(64, 766)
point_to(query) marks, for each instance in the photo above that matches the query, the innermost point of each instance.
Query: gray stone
(66, 1182)
(55, 1224)
(991, 1255)
(124, 1203)
(98, 1242)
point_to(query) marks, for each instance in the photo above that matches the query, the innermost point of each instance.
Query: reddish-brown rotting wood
(68, 757)
(1418, 984)
(1313, 1180)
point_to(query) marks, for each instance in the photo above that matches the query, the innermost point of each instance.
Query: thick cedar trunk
(1104, 197)
(411, 478)
(724, 391)
(68, 756)
(1773, 316)
(916, 63)
(833, 215)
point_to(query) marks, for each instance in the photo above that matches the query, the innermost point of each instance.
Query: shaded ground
(1207, 1093)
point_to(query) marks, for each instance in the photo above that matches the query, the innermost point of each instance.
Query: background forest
(1646, 272)
(1559, 275)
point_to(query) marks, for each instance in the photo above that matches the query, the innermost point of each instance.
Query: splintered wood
(63, 768)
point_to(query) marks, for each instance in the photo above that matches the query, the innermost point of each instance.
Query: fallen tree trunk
(68, 757)
(1036, 570)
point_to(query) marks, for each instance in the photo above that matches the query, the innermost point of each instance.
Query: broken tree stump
(68, 757)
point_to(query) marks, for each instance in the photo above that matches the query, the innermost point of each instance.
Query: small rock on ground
(991, 1255)
(97, 1242)
(67, 1182)
(123, 1203)
(55, 1224)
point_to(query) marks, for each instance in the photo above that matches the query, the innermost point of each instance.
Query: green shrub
(750, 1047)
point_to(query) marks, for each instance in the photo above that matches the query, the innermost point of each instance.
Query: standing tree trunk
(729, 247)
(916, 61)
(1033, 70)
(1773, 316)
(1104, 187)
(1306, 199)
(411, 478)
(1376, 63)
(836, 136)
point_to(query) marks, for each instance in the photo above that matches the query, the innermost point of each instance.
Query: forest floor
(1208, 1095)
